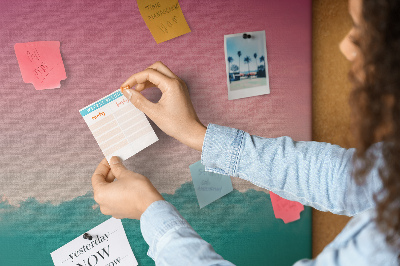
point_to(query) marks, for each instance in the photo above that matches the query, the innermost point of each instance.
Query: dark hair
(375, 102)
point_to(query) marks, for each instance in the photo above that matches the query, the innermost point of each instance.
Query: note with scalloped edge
(164, 19)
(284, 209)
(41, 64)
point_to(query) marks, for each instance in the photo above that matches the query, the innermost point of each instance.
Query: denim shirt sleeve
(313, 173)
(172, 241)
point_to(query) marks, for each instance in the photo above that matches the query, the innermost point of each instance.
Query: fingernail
(128, 93)
(115, 160)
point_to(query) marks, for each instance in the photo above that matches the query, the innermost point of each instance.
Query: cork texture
(331, 89)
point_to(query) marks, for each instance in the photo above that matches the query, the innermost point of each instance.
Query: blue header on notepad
(100, 103)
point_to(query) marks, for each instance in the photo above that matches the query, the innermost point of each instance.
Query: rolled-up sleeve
(316, 174)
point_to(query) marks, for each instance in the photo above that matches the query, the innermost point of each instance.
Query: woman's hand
(173, 113)
(127, 197)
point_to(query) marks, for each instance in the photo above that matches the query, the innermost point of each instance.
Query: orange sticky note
(164, 18)
(284, 209)
(41, 64)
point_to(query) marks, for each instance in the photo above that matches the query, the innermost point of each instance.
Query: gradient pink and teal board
(48, 154)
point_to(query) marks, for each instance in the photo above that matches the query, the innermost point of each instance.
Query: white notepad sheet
(108, 246)
(118, 126)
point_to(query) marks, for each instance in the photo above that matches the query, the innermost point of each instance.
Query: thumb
(117, 167)
(99, 175)
(139, 101)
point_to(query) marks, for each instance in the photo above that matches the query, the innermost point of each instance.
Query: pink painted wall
(48, 152)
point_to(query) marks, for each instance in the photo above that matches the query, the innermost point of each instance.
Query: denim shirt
(312, 173)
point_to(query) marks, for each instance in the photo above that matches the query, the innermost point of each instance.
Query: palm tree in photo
(247, 60)
(255, 58)
(262, 59)
(239, 54)
(230, 60)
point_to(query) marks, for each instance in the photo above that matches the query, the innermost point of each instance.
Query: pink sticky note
(41, 64)
(286, 210)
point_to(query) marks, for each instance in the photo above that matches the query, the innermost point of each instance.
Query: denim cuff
(222, 148)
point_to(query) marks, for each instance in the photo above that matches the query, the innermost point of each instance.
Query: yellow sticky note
(164, 18)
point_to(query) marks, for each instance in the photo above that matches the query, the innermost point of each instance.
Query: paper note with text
(284, 209)
(108, 246)
(209, 186)
(118, 126)
(164, 18)
(41, 64)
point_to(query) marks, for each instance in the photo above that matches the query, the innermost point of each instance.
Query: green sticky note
(209, 186)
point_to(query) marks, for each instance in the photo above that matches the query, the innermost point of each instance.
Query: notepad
(209, 186)
(118, 126)
(41, 64)
(164, 18)
(108, 246)
(284, 209)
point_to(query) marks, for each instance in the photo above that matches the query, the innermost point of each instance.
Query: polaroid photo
(246, 64)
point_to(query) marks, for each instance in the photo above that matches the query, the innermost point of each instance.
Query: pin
(87, 236)
(125, 88)
(246, 36)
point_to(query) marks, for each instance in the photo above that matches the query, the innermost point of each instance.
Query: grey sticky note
(209, 186)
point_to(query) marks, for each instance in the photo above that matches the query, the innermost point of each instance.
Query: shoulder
(362, 242)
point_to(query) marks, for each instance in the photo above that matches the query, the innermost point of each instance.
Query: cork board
(331, 89)
(48, 154)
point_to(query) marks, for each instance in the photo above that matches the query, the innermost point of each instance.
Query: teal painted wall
(240, 226)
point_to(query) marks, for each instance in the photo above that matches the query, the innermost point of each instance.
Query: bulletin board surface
(48, 154)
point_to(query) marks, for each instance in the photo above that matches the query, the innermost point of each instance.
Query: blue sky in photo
(248, 47)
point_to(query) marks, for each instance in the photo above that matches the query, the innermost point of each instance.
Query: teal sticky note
(209, 186)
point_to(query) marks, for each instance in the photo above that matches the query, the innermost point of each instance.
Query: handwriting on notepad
(164, 19)
(161, 12)
(169, 23)
(33, 55)
(41, 69)
(120, 103)
(165, 25)
(100, 114)
(153, 6)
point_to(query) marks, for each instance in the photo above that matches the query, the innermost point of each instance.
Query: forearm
(312, 173)
(172, 241)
